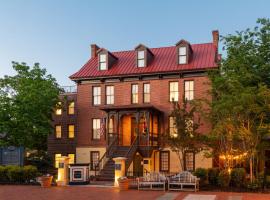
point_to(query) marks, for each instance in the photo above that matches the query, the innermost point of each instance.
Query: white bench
(178, 181)
(152, 181)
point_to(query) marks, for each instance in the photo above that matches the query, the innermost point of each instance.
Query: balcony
(68, 89)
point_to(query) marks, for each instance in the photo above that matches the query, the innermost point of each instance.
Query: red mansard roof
(164, 61)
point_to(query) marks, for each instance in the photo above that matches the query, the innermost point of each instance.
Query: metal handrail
(104, 159)
(133, 147)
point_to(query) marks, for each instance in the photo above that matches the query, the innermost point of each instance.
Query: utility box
(79, 174)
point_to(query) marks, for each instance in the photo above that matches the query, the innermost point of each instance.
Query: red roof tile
(164, 61)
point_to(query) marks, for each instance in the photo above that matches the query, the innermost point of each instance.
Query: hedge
(17, 174)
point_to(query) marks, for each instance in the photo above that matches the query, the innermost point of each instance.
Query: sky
(58, 34)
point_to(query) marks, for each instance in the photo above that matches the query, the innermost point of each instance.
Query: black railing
(106, 156)
(131, 151)
(68, 89)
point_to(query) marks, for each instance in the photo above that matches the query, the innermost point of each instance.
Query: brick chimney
(94, 49)
(215, 34)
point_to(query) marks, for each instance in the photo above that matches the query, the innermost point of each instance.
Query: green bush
(30, 172)
(213, 176)
(3, 174)
(224, 178)
(202, 174)
(238, 176)
(17, 174)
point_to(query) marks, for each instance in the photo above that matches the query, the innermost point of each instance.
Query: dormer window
(182, 55)
(141, 58)
(102, 61)
(184, 52)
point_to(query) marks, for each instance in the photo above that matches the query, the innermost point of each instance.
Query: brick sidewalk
(95, 193)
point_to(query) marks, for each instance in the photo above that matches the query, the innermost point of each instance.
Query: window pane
(182, 51)
(164, 161)
(71, 108)
(71, 158)
(189, 160)
(58, 131)
(102, 58)
(182, 59)
(146, 90)
(96, 95)
(174, 91)
(71, 129)
(56, 159)
(96, 128)
(141, 63)
(189, 90)
(94, 158)
(102, 66)
(140, 54)
(58, 110)
(111, 125)
(109, 94)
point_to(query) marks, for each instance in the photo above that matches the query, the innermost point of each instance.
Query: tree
(241, 96)
(184, 136)
(27, 100)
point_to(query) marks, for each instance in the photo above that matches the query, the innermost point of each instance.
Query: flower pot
(123, 184)
(45, 181)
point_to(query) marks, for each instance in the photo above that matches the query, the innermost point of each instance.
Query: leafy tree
(185, 136)
(27, 100)
(241, 96)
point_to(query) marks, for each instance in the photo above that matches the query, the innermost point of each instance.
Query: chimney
(215, 34)
(94, 49)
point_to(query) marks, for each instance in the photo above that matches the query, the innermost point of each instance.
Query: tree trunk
(251, 169)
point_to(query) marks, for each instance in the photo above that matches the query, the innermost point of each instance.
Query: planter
(45, 181)
(123, 184)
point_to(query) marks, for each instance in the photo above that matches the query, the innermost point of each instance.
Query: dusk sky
(58, 34)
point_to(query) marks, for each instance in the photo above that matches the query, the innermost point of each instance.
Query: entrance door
(137, 165)
(126, 130)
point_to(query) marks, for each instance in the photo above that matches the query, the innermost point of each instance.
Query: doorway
(137, 165)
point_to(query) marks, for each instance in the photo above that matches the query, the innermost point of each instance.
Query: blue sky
(58, 34)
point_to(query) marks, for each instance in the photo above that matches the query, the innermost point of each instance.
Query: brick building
(124, 100)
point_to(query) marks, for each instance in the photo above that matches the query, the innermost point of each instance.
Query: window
(71, 131)
(182, 59)
(96, 95)
(109, 94)
(172, 127)
(164, 161)
(102, 61)
(94, 158)
(71, 158)
(189, 90)
(58, 109)
(96, 129)
(71, 110)
(57, 156)
(140, 59)
(174, 91)
(146, 93)
(58, 131)
(111, 125)
(134, 93)
(189, 125)
(189, 161)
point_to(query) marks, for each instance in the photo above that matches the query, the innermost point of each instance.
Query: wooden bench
(152, 181)
(178, 181)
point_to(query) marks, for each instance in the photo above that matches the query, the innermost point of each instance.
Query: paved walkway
(8, 192)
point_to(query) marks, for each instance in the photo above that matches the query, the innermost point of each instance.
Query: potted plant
(45, 180)
(123, 183)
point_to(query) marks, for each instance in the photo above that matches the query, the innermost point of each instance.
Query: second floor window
(134, 93)
(102, 61)
(71, 131)
(58, 109)
(71, 110)
(174, 91)
(96, 129)
(146, 93)
(58, 131)
(110, 94)
(140, 59)
(172, 127)
(96, 95)
(189, 90)
(182, 56)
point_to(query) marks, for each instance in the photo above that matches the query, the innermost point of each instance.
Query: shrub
(213, 176)
(15, 174)
(224, 178)
(3, 174)
(238, 176)
(202, 174)
(30, 173)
